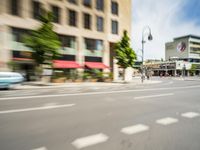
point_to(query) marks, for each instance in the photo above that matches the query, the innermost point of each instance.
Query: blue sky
(167, 19)
(191, 11)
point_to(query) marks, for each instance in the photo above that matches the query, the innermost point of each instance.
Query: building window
(114, 8)
(93, 44)
(100, 5)
(36, 10)
(72, 18)
(87, 21)
(100, 24)
(15, 7)
(67, 41)
(19, 34)
(87, 3)
(114, 27)
(72, 1)
(56, 14)
(93, 59)
(67, 57)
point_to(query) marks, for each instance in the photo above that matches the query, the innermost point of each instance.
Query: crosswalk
(99, 138)
(167, 121)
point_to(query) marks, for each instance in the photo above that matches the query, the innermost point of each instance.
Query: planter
(107, 80)
(78, 80)
(58, 80)
(93, 80)
(69, 80)
(46, 79)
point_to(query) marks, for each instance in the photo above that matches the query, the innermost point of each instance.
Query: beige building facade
(87, 28)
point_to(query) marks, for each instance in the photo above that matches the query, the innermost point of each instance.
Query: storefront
(23, 63)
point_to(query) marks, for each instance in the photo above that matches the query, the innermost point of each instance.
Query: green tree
(193, 69)
(44, 42)
(125, 55)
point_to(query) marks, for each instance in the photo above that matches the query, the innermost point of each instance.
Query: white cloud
(165, 19)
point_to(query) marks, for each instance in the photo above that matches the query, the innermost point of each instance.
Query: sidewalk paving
(187, 78)
(41, 85)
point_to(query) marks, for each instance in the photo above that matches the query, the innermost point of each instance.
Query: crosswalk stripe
(190, 114)
(166, 121)
(134, 129)
(90, 140)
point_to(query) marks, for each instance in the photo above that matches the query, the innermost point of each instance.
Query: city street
(161, 116)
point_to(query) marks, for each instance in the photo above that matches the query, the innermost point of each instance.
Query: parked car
(9, 79)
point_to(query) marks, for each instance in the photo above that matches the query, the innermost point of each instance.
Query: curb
(49, 86)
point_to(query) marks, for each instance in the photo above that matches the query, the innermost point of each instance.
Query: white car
(8, 79)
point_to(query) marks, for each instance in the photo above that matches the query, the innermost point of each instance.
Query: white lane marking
(90, 140)
(50, 104)
(134, 129)
(166, 121)
(190, 114)
(95, 93)
(153, 96)
(35, 108)
(41, 148)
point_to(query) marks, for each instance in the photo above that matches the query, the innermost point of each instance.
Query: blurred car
(9, 79)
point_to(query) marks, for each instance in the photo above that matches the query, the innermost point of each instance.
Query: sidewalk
(42, 85)
(197, 78)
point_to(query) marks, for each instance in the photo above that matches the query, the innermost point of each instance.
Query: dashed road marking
(41, 148)
(35, 108)
(166, 121)
(90, 140)
(134, 129)
(153, 96)
(190, 114)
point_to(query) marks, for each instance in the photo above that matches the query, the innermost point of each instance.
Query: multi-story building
(87, 29)
(184, 48)
(180, 55)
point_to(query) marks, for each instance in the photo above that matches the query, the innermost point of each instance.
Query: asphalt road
(164, 116)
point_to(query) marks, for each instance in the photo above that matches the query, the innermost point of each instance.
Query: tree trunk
(124, 73)
(39, 71)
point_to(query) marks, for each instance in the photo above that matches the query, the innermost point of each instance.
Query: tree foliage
(44, 41)
(193, 69)
(125, 55)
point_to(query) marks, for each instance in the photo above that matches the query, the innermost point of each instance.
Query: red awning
(65, 64)
(96, 65)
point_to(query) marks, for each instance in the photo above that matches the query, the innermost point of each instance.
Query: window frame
(15, 7)
(89, 21)
(117, 27)
(101, 25)
(89, 5)
(66, 41)
(72, 2)
(98, 6)
(114, 8)
(36, 14)
(56, 17)
(19, 33)
(92, 44)
(74, 24)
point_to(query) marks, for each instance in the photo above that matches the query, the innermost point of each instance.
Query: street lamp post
(145, 32)
(184, 71)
